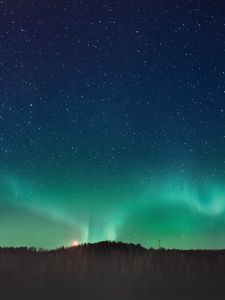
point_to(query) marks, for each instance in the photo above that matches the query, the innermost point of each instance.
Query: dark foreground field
(111, 271)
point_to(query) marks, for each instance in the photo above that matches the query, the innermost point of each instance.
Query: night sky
(112, 122)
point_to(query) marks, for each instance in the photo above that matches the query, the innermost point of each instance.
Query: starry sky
(112, 122)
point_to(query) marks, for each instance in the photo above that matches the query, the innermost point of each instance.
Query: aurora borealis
(112, 123)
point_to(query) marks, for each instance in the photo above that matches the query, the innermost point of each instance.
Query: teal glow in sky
(179, 212)
(112, 123)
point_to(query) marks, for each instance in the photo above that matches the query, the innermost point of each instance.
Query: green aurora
(175, 211)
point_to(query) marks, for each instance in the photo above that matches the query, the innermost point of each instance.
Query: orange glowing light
(75, 243)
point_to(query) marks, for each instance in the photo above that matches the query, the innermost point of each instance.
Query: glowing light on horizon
(75, 243)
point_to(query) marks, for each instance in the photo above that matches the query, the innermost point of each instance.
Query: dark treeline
(111, 271)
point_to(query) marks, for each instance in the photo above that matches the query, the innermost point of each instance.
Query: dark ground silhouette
(111, 271)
